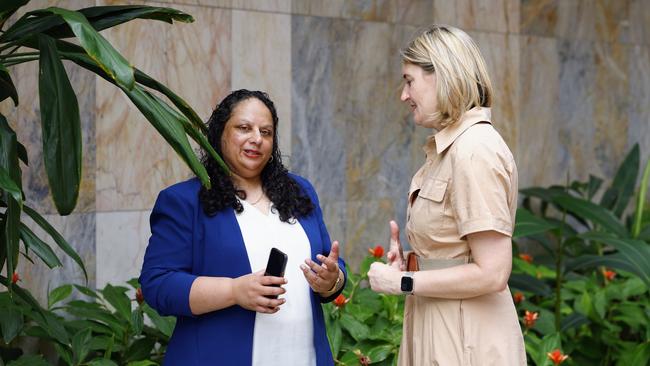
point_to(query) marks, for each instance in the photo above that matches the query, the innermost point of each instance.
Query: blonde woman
(460, 215)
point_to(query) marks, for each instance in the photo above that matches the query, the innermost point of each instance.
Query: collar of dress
(441, 140)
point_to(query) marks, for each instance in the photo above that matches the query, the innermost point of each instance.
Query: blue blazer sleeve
(325, 236)
(166, 276)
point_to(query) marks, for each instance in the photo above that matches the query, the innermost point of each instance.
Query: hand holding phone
(275, 266)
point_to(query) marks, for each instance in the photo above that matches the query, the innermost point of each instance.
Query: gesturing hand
(322, 277)
(395, 254)
(250, 291)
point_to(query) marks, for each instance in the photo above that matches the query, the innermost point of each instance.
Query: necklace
(258, 199)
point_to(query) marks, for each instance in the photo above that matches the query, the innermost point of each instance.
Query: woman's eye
(267, 133)
(243, 128)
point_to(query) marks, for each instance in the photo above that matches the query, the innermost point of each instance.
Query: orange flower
(526, 257)
(138, 296)
(15, 278)
(377, 251)
(556, 356)
(340, 301)
(518, 297)
(530, 318)
(609, 274)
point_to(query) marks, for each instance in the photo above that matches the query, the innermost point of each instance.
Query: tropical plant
(585, 291)
(104, 329)
(40, 35)
(364, 327)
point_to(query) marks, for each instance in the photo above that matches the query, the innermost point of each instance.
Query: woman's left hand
(385, 279)
(322, 277)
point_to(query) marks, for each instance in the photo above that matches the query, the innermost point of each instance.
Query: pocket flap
(434, 190)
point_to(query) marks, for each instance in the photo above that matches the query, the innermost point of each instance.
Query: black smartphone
(276, 266)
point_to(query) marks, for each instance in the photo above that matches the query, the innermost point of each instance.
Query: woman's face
(247, 140)
(419, 93)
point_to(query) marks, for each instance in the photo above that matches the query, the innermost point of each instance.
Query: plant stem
(16, 62)
(640, 202)
(21, 54)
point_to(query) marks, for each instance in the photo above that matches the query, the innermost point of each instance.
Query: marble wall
(571, 80)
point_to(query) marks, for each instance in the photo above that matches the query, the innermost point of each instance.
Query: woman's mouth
(252, 153)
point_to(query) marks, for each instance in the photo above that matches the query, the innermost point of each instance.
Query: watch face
(407, 284)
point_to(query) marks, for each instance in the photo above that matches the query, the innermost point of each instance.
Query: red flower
(377, 251)
(15, 278)
(138, 296)
(609, 274)
(530, 318)
(526, 257)
(363, 359)
(518, 297)
(340, 301)
(556, 356)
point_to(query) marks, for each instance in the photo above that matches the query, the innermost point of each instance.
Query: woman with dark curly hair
(209, 247)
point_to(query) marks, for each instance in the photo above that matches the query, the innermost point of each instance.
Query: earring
(270, 160)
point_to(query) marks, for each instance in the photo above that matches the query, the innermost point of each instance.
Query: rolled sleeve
(481, 187)
(166, 277)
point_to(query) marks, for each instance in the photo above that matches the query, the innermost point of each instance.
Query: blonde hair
(462, 78)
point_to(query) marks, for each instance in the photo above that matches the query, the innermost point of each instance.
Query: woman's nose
(256, 136)
(405, 96)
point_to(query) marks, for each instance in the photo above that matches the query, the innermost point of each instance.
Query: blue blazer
(185, 243)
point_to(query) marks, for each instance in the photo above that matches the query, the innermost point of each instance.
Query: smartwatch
(407, 283)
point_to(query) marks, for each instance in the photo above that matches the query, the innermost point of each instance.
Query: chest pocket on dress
(427, 213)
(434, 190)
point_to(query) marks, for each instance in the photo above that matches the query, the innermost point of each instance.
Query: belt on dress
(416, 263)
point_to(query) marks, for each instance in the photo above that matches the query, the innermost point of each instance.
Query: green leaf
(8, 8)
(592, 212)
(640, 202)
(64, 353)
(137, 320)
(618, 195)
(639, 355)
(633, 255)
(357, 329)
(140, 349)
(39, 247)
(529, 283)
(9, 162)
(29, 360)
(379, 353)
(150, 107)
(142, 363)
(58, 239)
(7, 88)
(8, 185)
(164, 324)
(172, 130)
(61, 128)
(335, 336)
(104, 17)
(80, 345)
(549, 343)
(574, 320)
(117, 298)
(98, 48)
(21, 294)
(11, 323)
(528, 224)
(59, 294)
(101, 362)
(86, 291)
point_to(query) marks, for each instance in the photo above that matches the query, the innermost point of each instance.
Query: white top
(285, 338)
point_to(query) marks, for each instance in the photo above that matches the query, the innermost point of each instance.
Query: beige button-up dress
(467, 184)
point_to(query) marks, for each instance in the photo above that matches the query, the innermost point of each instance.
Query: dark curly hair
(288, 198)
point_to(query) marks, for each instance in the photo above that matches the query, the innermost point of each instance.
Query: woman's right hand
(250, 292)
(395, 254)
